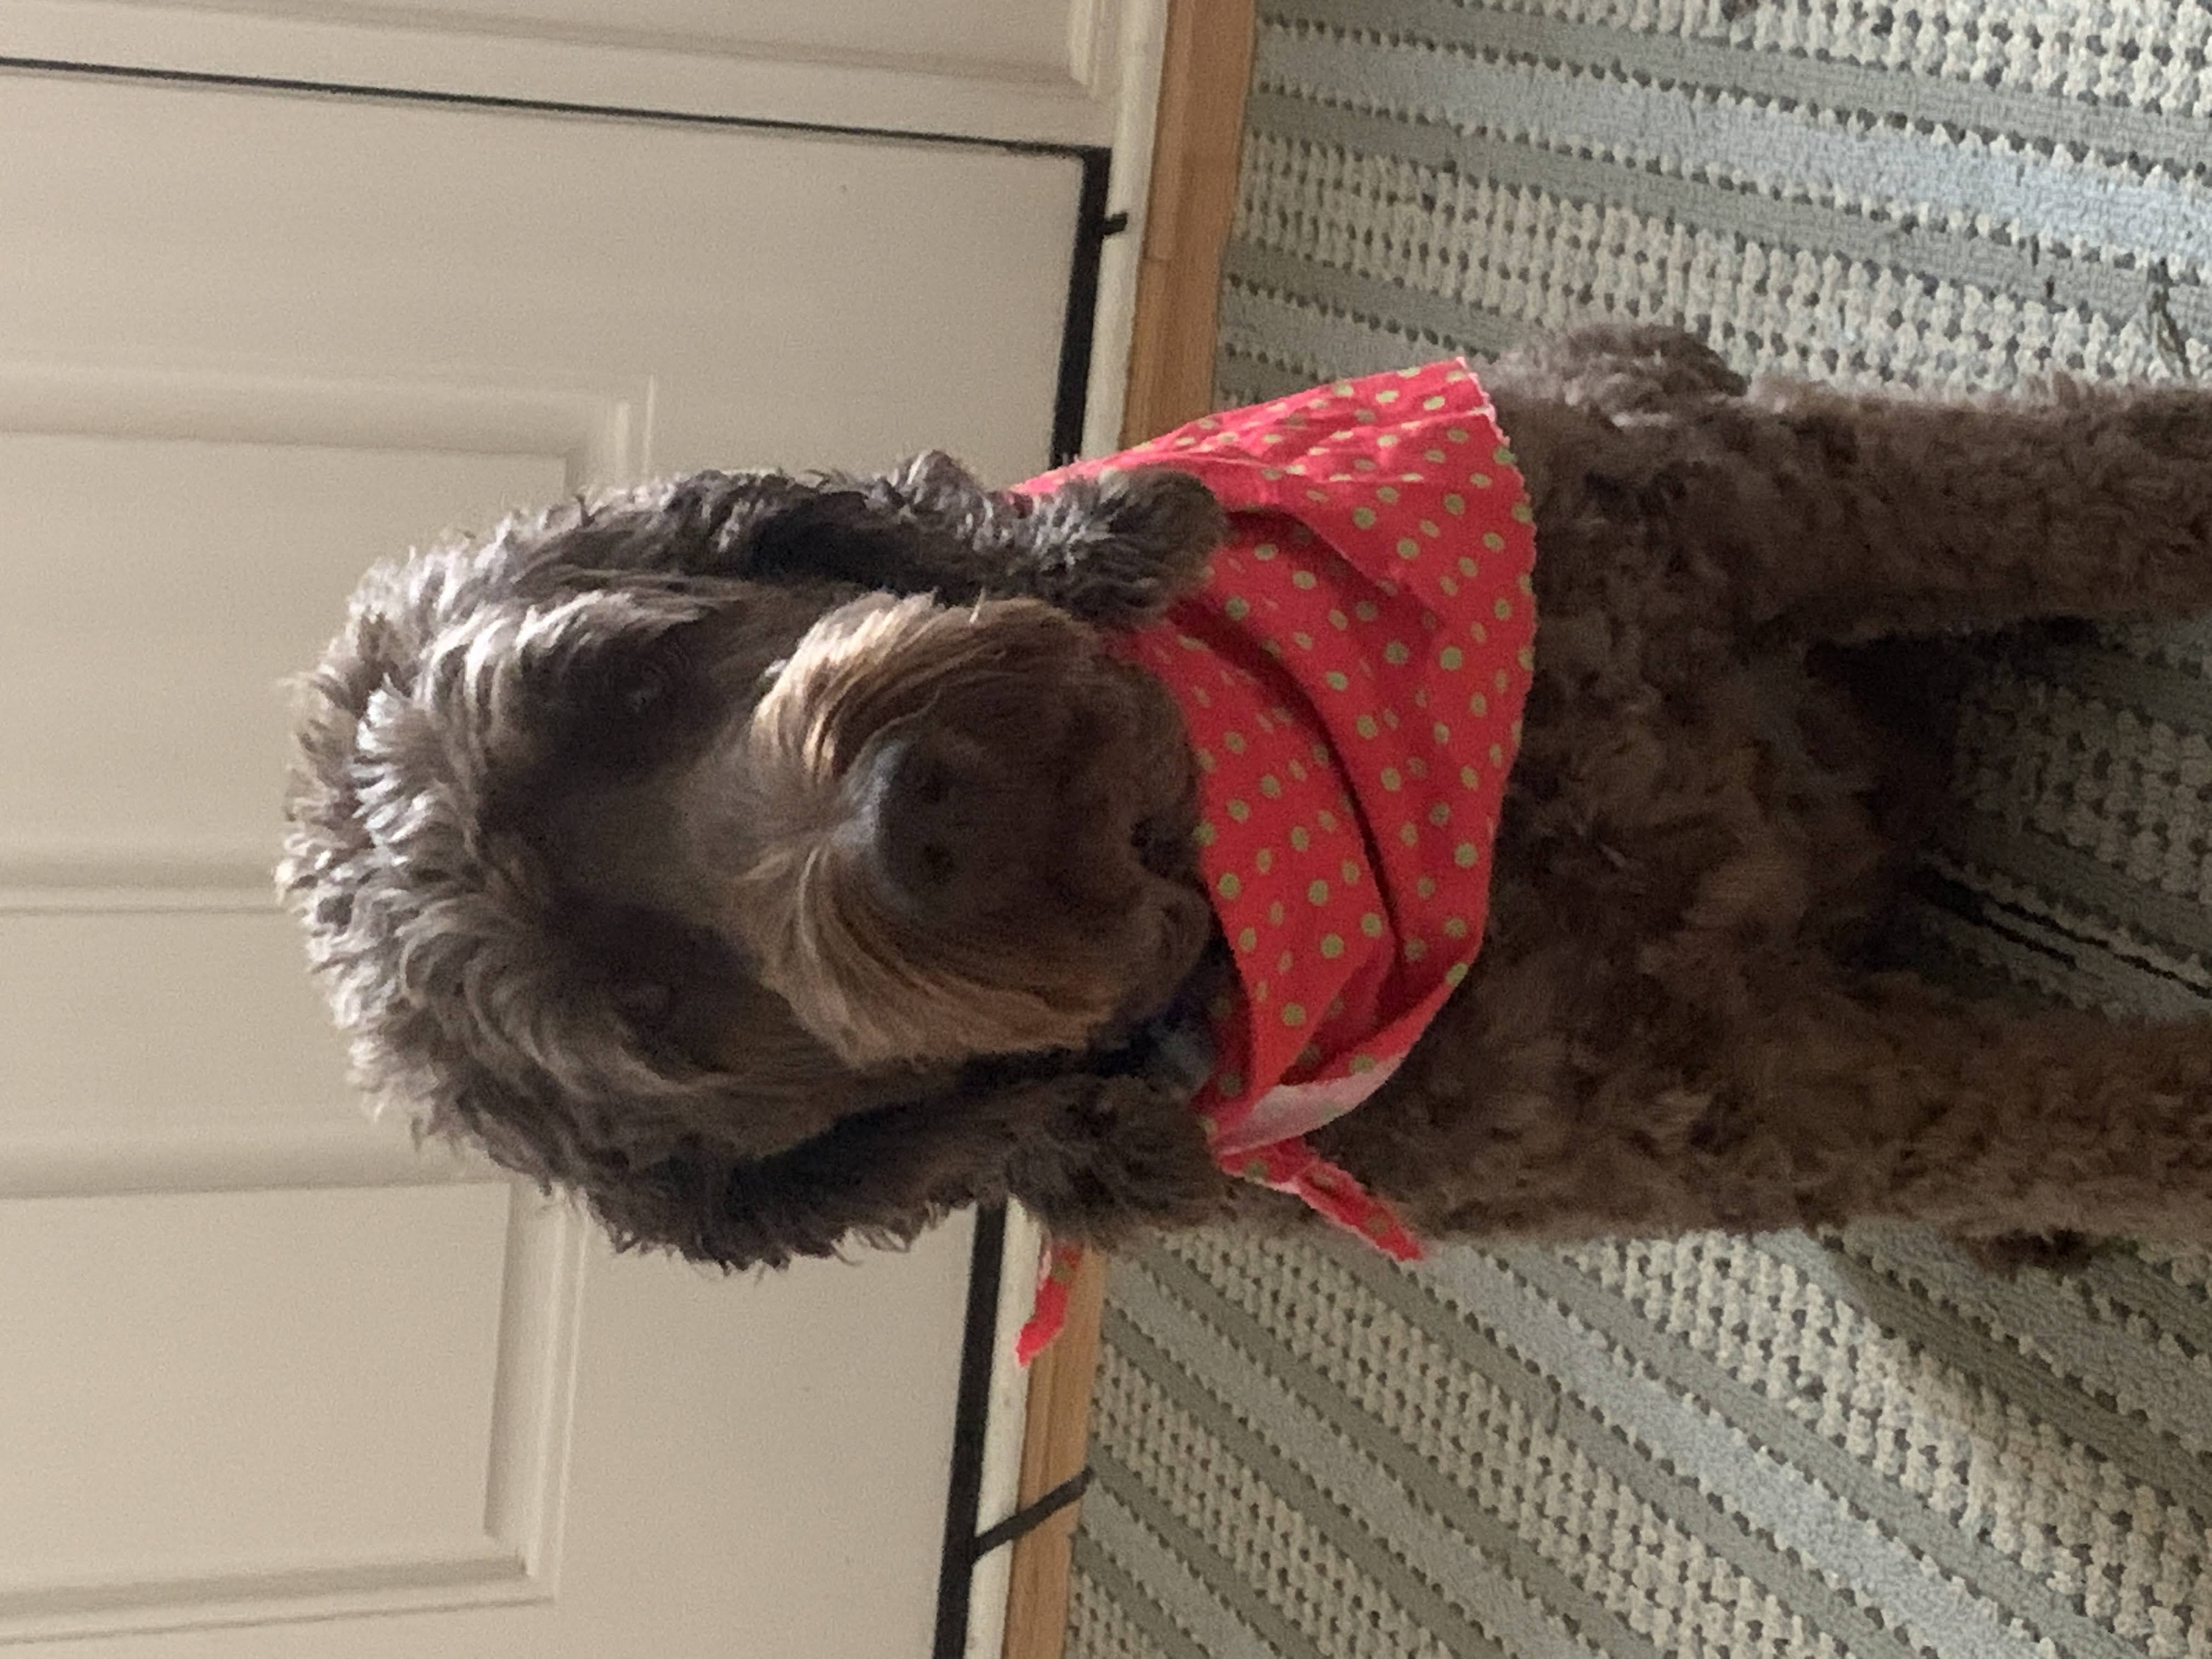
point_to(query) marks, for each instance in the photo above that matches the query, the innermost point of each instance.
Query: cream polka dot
(1449, 659)
(1386, 495)
(1248, 939)
(1365, 610)
(1371, 925)
(1264, 860)
(1416, 949)
(1335, 680)
(1391, 780)
(1229, 885)
(1408, 548)
(1454, 926)
(1441, 733)
(1317, 891)
(1350, 870)
(1283, 962)
(1265, 551)
(1395, 653)
(1293, 1014)
(1332, 945)
(1425, 887)
(1205, 834)
(1240, 811)
(1326, 819)
(1464, 855)
(1338, 620)
(1271, 785)
(1409, 835)
(1440, 815)
(1302, 579)
(1275, 914)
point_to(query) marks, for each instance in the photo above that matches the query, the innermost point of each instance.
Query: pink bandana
(1352, 673)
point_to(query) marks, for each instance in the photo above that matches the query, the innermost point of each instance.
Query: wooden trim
(1054, 1445)
(1204, 76)
(1207, 68)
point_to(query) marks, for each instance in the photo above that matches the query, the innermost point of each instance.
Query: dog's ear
(827, 535)
(1098, 1159)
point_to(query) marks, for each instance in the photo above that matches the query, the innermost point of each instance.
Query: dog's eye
(644, 690)
(645, 1002)
(643, 686)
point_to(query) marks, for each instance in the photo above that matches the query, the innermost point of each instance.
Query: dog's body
(776, 861)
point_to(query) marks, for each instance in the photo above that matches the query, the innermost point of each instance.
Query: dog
(783, 862)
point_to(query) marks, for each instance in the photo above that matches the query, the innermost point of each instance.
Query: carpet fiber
(1712, 1447)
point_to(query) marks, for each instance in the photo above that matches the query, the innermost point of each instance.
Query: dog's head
(689, 849)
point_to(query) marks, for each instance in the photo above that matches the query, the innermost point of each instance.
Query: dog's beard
(975, 832)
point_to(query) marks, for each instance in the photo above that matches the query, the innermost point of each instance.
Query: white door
(270, 1383)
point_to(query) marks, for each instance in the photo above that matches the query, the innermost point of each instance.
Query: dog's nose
(930, 815)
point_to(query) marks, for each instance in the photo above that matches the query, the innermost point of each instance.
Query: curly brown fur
(780, 861)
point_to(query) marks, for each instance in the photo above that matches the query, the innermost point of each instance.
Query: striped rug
(1710, 1447)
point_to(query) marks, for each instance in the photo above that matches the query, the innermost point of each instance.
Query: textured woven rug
(1800, 1446)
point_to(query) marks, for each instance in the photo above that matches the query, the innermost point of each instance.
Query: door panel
(1049, 71)
(272, 1382)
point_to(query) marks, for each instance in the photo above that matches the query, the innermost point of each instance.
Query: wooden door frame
(1204, 74)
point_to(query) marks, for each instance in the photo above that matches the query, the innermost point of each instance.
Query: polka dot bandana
(1352, 672)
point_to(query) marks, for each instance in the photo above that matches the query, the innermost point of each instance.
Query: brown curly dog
(780, 861)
